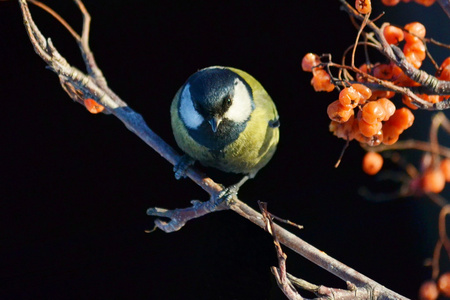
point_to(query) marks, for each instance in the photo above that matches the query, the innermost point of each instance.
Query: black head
(215, 105)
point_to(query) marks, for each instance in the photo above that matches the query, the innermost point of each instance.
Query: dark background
(75, 187)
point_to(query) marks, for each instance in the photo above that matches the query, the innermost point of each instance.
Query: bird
(223, 118)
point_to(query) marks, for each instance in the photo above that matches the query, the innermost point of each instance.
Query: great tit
(223, 118)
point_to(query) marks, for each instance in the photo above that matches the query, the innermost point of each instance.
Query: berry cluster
(376, 121)
(414, 50)
(321, 80)
(366, 115)
(430, 290)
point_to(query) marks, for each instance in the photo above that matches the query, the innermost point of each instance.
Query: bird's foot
(183, 164)
(229, 192)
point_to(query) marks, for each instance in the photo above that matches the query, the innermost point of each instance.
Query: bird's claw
(227, 193)
(183, 164)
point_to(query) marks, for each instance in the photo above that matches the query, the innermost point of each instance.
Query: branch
(80, 86)
(286, 281)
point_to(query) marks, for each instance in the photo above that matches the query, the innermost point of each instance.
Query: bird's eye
(227, 102)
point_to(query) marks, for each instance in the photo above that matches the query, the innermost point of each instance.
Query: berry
(339, 113)
(363, 6)
(418, 48)
(430, 98)
(408, 102)
(428, 291)
(390, 2)
(425, 2)
(433, 180)
(364, 92)
(376, 139)
(415, 31)
(349, 97)
(367, 129)
(372, 163)
(415, 53)
(92, 106)
(383, 71)
(344, 130)
(390, 134)
(445, 63)
(373, 112)
(400, 78)
(444, 284)
(445, 168)
(309, 61)
(388, 107)
(445, 73)
(402, 118)
(393, 34)
(321, 80)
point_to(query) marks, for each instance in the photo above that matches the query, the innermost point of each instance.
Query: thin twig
(443, 229)
(435, 260)
(280, 273)
(63, 22)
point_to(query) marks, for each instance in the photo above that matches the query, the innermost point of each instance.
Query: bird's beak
(215, 121)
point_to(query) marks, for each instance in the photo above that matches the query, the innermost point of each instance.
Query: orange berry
(415, 31)
(369, 130)
(408, 102)
(418, 48)
(376, 139)
(349, 97)
(400, 78)
(372, 163)
(309, 61)
(388, 106)
(343, 130)
(363, 6)
(373, 112)
(403, 118)
(445, 168)
(425, 2)
(339, 113)
(445, 73)
(321, 80)
(414, 59)
(363, 91)
(444, 284)
(383, 71)
(364, 68)
(430, 98)
(445, 63)
(433, 180)
(381, 94)
(390, 134)
(92, 106)
(390, 2)
(393, 34)
(428, 291)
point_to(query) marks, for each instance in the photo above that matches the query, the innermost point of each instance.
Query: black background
(75, 187)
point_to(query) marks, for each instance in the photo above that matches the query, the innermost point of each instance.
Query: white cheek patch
(188, 113)
(241, 108)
